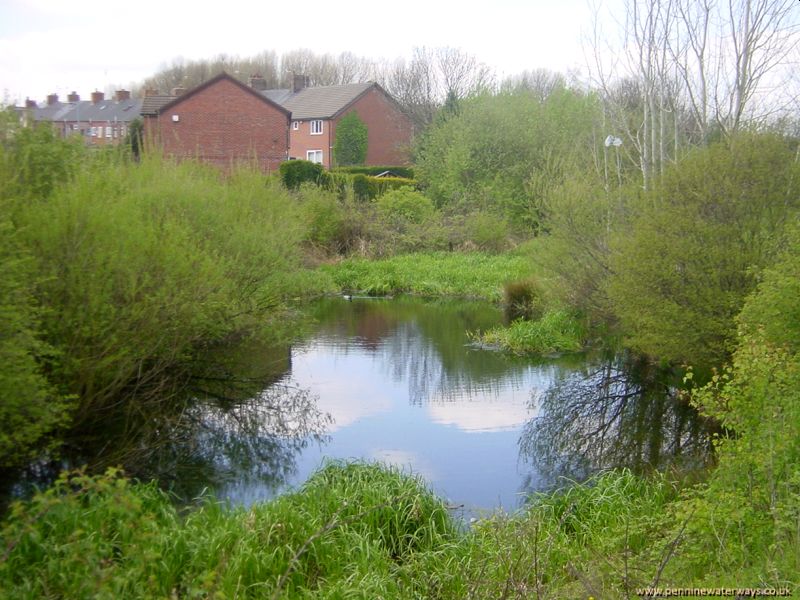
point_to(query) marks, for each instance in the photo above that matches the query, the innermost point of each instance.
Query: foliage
(504, 153)
(489, 232)
(524, 298)
(293, 173)
(35, 161)
(350, 146)
(134, 268)
(135, 138)
(30, 409)
(399, 171)
(695, 245)
(405, 207)
(348, 530)
(476, 275)
(555, 331)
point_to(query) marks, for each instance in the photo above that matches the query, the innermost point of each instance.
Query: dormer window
(316, 127)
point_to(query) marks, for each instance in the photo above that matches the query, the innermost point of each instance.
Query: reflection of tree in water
(227, 420)
(424, 343)
(621, 413)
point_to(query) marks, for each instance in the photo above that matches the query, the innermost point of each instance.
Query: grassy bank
(472, 275)
(364, 531)
(555, 331)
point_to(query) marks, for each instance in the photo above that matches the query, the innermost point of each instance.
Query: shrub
(350, 147)
(405, 206)
(405, 172)
(487, 231)
(523, 298)
(296, 172)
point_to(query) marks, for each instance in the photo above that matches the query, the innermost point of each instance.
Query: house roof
(319, 102)
(177, 100)
(151, 105)
(85, 110)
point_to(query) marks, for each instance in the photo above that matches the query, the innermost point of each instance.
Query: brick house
(316, 111)
(225, 120)
(221, 121)
(99, 121)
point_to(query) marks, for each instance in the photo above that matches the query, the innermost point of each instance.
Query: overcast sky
(51, 46)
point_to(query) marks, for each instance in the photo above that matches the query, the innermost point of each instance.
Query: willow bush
(138, 266)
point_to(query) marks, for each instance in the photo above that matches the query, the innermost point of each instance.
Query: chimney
(52, 99)
(299, 82)
(178, 91)
(257, 82)
(97, 97)
(30, 103)
(73, 98)
(150, 92)
(122, 95)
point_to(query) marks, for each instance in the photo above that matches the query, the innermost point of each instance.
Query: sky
(53, 46)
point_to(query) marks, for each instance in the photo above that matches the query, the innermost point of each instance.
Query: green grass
(473, 275)
(367, 531)
(556, 331)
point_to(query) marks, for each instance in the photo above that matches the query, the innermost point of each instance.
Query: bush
(296, 172)
(140, 266)
(487, 231)
(404, 172)
(405, 207)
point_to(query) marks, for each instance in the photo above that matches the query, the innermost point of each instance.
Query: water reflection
(617, 412)
(231, 417)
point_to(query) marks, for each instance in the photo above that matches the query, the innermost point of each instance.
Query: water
(397, 381)
(402, 384)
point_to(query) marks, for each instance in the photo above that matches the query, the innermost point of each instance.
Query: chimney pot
(257, 82)
(52, 99)
(299, 82)
(122, 95)
(73, 97)
(97, 97)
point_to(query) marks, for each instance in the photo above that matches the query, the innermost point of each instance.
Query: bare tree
(700, 66)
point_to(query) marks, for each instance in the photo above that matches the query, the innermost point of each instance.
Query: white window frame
(316, 127)
(311, 155)
(108, 131)
(295, 125)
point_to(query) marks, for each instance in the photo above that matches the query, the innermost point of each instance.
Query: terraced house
(99, 121)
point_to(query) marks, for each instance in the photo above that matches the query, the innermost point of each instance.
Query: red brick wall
(222, 124)
(301, 140)
(388, 133)
(388, 129)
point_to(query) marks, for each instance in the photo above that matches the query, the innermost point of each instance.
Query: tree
(350, 147)
(696, 244)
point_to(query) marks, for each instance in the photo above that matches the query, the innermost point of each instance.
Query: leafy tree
(350, 147)
(681, 270)
(505, 153)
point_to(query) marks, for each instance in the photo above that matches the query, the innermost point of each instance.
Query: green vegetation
(474, 275)
(555, 331)
(350, 146)
(294, 173)
(117, 274)
(504, 153)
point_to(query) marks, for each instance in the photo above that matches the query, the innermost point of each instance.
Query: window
(108, 132)
(295, 125)
(314, 156)
(94, 131)
(316, 127)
